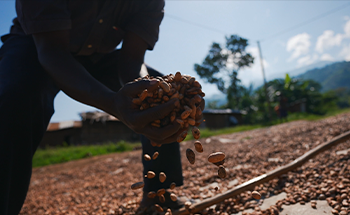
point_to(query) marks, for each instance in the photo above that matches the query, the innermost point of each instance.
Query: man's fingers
(157, 112)
(158, 135)
(133, 88)
(174, 137)
(171, 139)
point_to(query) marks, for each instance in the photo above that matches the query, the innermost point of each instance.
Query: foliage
(297, 91)
(331, 77)
(43, 157)
(221, 67)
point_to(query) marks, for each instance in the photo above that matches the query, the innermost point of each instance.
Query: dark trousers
(26, 106)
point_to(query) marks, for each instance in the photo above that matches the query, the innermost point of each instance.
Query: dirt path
(101, 185)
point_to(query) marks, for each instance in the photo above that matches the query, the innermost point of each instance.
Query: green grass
(291, 117)
(313, 117)
(211, 132)
(62, 154)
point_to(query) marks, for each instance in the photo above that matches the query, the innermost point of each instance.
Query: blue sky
(190, 27)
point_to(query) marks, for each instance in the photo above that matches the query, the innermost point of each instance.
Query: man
(70, 46)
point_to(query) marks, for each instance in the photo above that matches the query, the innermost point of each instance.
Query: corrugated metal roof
(97, 116)
(222, 111)
(63, 125)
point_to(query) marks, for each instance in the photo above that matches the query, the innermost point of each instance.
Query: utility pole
(265, 85)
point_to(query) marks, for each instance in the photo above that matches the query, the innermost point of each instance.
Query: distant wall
(90, 134)
(216, 121)
(101, 132)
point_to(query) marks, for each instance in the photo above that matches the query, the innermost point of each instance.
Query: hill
(304, 69)
(331, 77)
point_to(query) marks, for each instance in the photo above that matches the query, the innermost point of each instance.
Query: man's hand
(140, 121)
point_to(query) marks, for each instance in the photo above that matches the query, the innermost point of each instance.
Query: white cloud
(326, 57)
(307, 60)
(299, 45)
(327, 40)
(345, 52)
(347, 29)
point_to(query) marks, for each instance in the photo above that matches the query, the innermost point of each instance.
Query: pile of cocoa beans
(184, 87)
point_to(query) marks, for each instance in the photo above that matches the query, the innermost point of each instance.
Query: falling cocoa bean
(191, 157)
(162, 198)
(172, 185)
(158, 208)
(150, 174)
(216, 157)
(196, 133)
(147, 157)
(151, 194)
(173, 197)
(161, 192)
(162, 177)
(198, 146)
(137, 185)
(182, 136)
(155, 155)
(222, 172)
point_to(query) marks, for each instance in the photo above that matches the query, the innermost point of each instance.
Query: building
(221, 118)
(94, 128)
(99, 128)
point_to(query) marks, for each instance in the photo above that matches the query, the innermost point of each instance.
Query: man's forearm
(76, 82)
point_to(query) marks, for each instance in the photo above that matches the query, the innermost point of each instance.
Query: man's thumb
(134, 88)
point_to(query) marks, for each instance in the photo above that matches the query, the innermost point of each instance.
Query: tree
(221, 67)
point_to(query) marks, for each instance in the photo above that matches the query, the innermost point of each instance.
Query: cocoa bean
(162, 198)
(158, 208)
(161, 192)
(182, 136)
(198, 146)
(173, 197)
(151, 194)
(191, 157)
(165, 86)
(256, 195)
(216, 157)
(172, 185)
(155, 155)
(143, 95)
(150, 174)
(147, 157)
(222, 172)
(137, 185)
(162, 177)
(196, 133)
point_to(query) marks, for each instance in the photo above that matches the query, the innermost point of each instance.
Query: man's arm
(70, 75)
(76, 82)
(132, 57)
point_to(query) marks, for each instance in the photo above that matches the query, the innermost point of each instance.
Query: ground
(101, 185)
